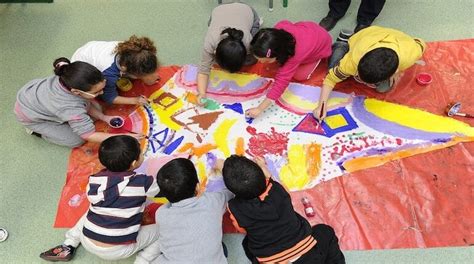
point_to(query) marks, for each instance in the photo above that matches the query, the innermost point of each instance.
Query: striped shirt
(117, 203)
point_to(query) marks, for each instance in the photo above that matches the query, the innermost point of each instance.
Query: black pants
(368, 10)
(326, 251)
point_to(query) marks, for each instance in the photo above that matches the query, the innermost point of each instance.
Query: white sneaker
(260, 21)
(29, 131)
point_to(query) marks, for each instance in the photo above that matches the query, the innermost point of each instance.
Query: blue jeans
(339, 49)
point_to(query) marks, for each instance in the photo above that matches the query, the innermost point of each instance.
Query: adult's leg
(338, 8)
(304, 71)
(339, 49)
(60, 134)
(368, 11)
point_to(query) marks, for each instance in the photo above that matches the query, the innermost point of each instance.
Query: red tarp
(420, 201)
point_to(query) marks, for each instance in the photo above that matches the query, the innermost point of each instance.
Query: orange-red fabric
(420, 201)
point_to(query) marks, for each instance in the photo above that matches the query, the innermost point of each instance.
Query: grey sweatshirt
(46, 100)
(235, 15)
(190, 231)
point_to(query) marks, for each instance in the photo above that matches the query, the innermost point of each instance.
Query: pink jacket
(312, 44)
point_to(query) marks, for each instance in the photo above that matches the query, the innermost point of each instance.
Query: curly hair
(138, 55)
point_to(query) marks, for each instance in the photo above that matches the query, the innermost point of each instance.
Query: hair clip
(269, 52)
(61, 63)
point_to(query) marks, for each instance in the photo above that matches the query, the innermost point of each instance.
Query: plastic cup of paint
(116, 122)
(124, 84)
(424, 78)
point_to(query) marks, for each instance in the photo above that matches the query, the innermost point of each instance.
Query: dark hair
(138, 55)
(377, 65)
(231, 51)
(280, 43)
(117, 153)
(78, 75)
(177, 180)
(243, 177)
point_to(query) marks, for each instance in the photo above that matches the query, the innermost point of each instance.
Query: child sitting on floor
(111, 227)
(375, 56)
(227, 41)
(275, 232)
(134, 58)
(297, 47)
(190, 226)
(60, 108)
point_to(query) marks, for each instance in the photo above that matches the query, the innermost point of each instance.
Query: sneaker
(260, 21)
(31, 132)
(328, 22)
(344, 35)
(59, 253)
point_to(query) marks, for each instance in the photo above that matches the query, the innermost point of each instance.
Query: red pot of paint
(424, 78)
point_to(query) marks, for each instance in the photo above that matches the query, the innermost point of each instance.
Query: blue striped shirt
(117, 203)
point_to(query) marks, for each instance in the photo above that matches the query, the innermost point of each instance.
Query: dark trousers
(326, 251)
(368, 10)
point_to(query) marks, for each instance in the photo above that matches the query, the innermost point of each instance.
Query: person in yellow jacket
(375, 56)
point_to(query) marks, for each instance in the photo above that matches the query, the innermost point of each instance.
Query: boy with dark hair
(375, 56)
(190, 226)
(111, 228)
(275, 232)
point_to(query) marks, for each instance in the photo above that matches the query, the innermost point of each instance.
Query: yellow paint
(220, 136)
(374, 161)
(417, 119)
(161, 200)
(313, 162)
(301, 103)
(202, 175)
(335, 121)
(217, 76)
(165, 114)
(294, 174)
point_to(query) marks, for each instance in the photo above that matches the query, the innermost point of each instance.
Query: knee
(324, 229)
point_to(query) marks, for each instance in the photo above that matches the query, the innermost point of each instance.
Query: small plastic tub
(116, 122)
(424, 78)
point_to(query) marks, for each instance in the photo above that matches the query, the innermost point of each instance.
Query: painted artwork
(358, 132)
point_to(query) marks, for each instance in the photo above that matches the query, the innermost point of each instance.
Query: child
(59, 108)
(134, 58)
(111, 227)
(298, 49)
(231, 28)
(375, 56)
(275, 232)
(190, 226)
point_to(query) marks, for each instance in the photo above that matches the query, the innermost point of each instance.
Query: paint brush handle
(132, 132)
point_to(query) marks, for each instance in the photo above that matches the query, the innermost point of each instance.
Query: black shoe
(328, 22)
(344, 35)
(359, 27)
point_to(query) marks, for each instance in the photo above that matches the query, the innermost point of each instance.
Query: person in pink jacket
(297, 47)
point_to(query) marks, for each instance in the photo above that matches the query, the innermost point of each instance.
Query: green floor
(33, 35)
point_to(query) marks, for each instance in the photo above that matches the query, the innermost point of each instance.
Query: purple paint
(211, 160)
(215, 184)
(391, 128)
(312, 93)
(274, 166)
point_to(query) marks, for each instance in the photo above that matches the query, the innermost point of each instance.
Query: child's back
(190, 226)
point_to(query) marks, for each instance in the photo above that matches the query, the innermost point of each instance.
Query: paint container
(424, 78)
(3, 234)
(116, 122)
(124, 84)
(308, 207)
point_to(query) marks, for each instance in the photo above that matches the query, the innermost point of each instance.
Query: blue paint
(173, 146)
(237, 107)
(249, 120)
(162, 141)
(351, 123)
(211, 160)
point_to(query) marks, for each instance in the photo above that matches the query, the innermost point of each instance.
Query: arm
(139, 100)
(321, 110)
(98, 137)
(207, 59)
(202, 82)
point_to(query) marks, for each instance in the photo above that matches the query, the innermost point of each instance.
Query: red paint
(271, 143)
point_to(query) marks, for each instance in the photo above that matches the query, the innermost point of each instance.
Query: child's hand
(218, 165)
(263, 165)
(320, 112)
(253, 112)
(200, 100)
(136, 135)
(142, 100)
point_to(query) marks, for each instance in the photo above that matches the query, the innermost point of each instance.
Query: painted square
(336, 121)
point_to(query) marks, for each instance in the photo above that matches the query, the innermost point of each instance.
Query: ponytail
(273, 43)
(231, 51)
(78, 75)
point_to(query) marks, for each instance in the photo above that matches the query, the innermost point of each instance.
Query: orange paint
(201, 150)
(313, 161)
(185, 147)
(192, 98)
(239, 146)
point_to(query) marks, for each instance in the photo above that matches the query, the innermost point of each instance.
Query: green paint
(210, 104)
(355, 135)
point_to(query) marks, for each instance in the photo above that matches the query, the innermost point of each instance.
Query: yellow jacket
(408, 49)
